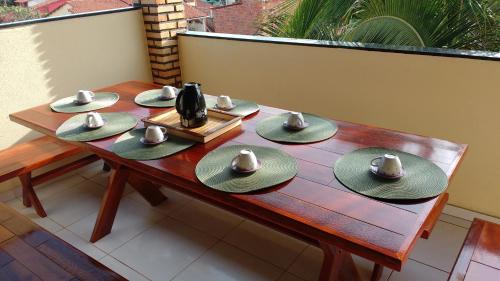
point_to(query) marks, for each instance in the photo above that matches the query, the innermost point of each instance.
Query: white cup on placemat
(387, 166)
(224, 103)
(154, 135)
(295, 121)
(168, 93)
(94, 120)
(245, 162)
(84, 97)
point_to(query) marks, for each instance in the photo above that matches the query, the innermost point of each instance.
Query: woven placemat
(151, 98)
(319, 129)
(68, 105)
(74, 129)
(243, 107)
(214, 170)
(129, 146)
(422, 179)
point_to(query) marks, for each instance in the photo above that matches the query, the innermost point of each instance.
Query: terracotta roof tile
(242, 17)
(194, 12)
(84, 6)
(50, 6)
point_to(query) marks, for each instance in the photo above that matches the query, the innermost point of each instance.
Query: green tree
(458, 24)
(16, 13)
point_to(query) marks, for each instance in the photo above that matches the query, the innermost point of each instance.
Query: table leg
(377, 272)
(338, 265)
(110, 203)
(147, 189)
(106, 167)
(29, 195)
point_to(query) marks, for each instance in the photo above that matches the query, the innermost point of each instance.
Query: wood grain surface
(28, 252)
(313, 206)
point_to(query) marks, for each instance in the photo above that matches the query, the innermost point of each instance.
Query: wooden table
(313, 206)
(28, 252)
(479, 259)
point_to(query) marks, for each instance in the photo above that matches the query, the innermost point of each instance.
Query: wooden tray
(219, 122)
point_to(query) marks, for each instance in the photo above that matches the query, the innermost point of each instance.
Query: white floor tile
(308, 265)
(207, 218)
(270, 245)
(72, 204)
(30, 213)
(365, 269)
(10, 194)
(103, 179)
(80, 244)
(91, 170)
(164, 250)
(455, 220)
(122, 269)
(175, 200)
(60, 184)
(224, 262)
(414, 271)
(442, 248)
(96, 174)
(132, 218)
(289, 277)
(467, 214)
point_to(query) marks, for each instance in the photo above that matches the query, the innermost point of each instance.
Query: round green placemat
(319, 129)
(214, 170)
(422, 179)
(129, 146)
(243, 107)
(68, 105)
(74, 129)
(151, 98)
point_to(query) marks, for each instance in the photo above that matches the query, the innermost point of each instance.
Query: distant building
(198, 19)
(85, 6)
(227, 16)
(66, 7)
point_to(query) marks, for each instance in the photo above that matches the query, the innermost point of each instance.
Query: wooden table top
(28, 252)
(314, 203)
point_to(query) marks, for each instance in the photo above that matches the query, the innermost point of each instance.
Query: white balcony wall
(450, 98)
(46, 61)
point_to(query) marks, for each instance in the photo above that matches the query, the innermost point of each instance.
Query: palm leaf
(305, 18)
(467, 24)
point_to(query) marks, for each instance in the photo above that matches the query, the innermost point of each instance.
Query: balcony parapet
(469, 54)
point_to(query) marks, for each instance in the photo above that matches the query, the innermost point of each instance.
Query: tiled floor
(184, 239)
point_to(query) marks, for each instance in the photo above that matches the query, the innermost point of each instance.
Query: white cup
(168, 92)
(246, 160)
(224, 102)
(94, 120)
(85, 96)
(295, 120)
(388, 165)
(155, 134)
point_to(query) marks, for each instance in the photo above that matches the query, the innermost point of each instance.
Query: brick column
(162, 20)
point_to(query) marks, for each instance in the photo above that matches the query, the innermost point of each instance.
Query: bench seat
(479, 259)
(21, 159)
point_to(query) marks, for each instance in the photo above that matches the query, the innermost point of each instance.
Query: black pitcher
(190, 105)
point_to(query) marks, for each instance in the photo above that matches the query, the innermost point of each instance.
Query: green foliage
(16, 13)
(460, 24)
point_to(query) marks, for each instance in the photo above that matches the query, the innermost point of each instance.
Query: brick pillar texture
(163, 19)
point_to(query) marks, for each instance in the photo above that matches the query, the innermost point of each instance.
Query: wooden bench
(28, 252)
(479, 259)
(20, 160)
